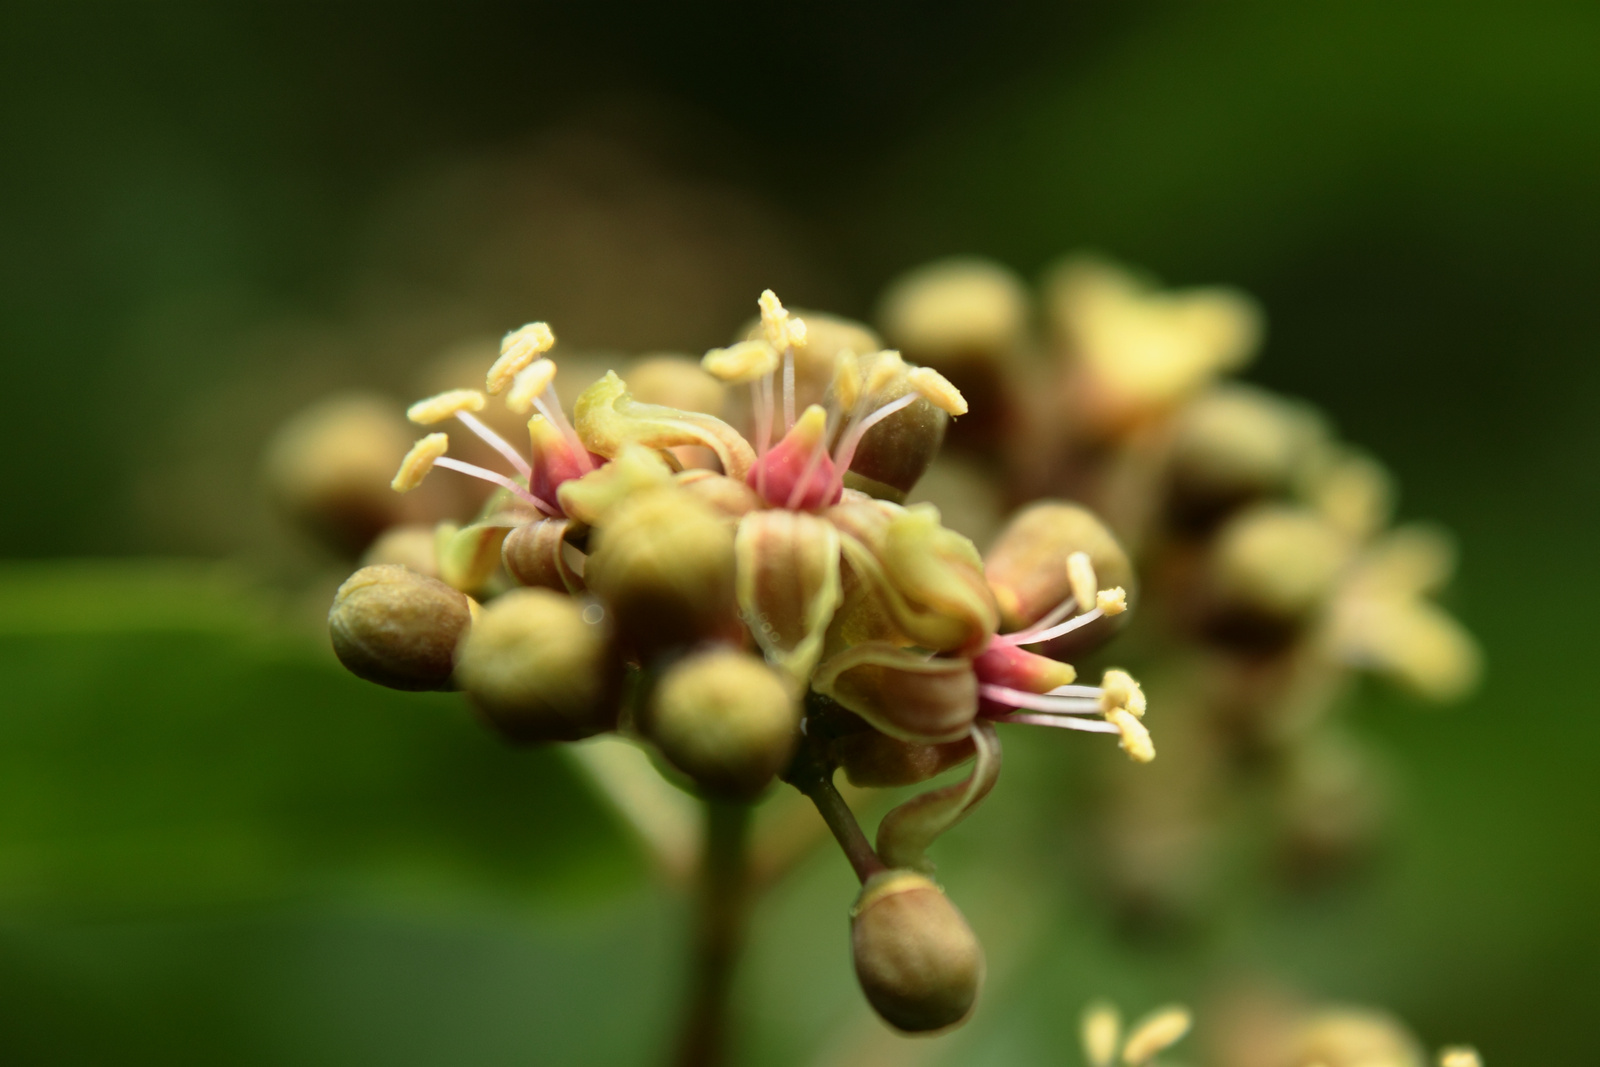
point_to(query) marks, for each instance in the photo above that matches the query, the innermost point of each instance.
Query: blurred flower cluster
(1265, 566)
(760, 565)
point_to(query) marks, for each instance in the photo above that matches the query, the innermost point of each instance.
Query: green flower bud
(725, 719)
(329, 468)
(918, 961)
(895, 453)
(663, 563)
(538, 669)
(1027, 570)
(393, 626)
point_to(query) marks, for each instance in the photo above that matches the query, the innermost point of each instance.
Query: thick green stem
(722, 908)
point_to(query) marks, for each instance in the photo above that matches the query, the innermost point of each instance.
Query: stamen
(846, 380)
(1460, 1056)
(1065, 722)
(1081, 577)
(1112, 601)
(886, 370)
(788, 389)
(1094, 691)
(1052, 632)
(496, 442)
(1155, 1034)
(419, 461)
(1061, 611)
(1101, 1030)
(743, 362)
(1119, 690)
(1137, 744)
(441, 407)
(1040, 702)
(846, 451)
(550, 408)
(530, 383)
(493, 478)
(936, 389)
(518, 349)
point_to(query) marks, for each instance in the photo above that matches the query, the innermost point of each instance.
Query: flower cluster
(1268, 574)
(756, 605)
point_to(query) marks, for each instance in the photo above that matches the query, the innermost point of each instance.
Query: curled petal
(906, 832)
(940, 571)
(469, 556)
(905, 694)
(535, 555)
(608, 417)
(787, 573)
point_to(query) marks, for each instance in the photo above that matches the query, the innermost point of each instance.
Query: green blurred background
(217, 848)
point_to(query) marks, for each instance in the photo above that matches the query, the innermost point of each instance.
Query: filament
(494, 478)
(496, 442)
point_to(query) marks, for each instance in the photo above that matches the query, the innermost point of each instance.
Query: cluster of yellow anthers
(777, 602)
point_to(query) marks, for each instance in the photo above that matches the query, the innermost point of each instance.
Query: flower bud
(1277, 563)
(967, 318)
(1236, 443)
(676, 382)
(918, 961)
(725, 719)
(895, 453)
(663, 563)
(1027, 570)
(411, 545)
(393, 626)
(329, 468)
(538, 669)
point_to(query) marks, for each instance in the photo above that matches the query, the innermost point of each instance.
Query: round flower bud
(411, 544)
(663, 563)
(393, 626)
(918, 961)
(676, 382)
(1237, 443)
(1278, 562)
(538, 669)
(725, 719)
(967, 318)
(329, 467)
(893, 455)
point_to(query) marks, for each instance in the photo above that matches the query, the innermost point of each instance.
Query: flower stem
(722, 908)
(815, 779)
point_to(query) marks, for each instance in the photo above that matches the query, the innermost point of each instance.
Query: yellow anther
(419, 461)
(782, 329)
(441, 407)
(1112, 601)
(846, 380)
(1119, 690)
(1100, 1029)
(937, 390)
(887, 369)
(529, 383)
(1157, 1032)
(518, 349)
(1460, 1056)
(1081, 577)
(743, 362)
(1137, 744)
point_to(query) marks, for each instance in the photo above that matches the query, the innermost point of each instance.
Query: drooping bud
(663, 562)
(1028, 571)
(537, 668)
(725, 719)
(918, 961)
(329, 468)
(393, 626)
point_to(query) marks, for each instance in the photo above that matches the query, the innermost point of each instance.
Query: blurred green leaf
(165, 743)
